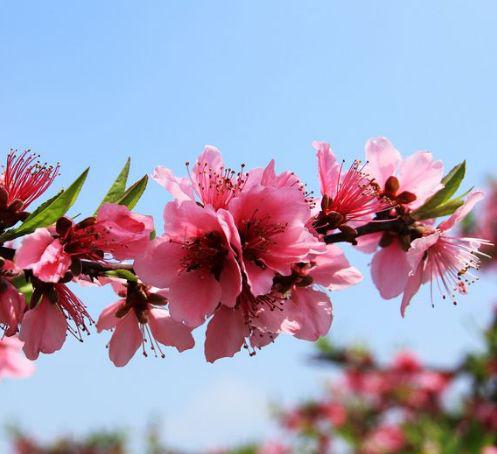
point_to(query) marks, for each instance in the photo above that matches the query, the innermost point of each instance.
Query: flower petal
(225, 334)
(168, 331)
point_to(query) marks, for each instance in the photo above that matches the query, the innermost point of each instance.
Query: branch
(395, 225)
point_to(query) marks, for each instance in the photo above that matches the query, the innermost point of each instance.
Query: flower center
(258, 236)
(25, 178)
(205, 253)
(217, 187)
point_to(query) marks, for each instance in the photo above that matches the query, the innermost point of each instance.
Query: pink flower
(121, 232)
(489, 450)
(115, 230)
(140, 318)
(44, 325)
(194, 260)
(409, 183)
(12, 306)
(25, 179)
(443, 258)
(267, 228)
(406, 362)
(273, 447)
(348, 197)
(210, 181)
(385, 439)
(293, 306)
(13, 364)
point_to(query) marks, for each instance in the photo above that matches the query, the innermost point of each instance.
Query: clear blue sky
(92, 82)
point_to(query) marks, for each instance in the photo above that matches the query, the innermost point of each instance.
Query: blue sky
(93, 82)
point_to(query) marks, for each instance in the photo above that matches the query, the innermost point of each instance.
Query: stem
(88, 266)
(373, 227)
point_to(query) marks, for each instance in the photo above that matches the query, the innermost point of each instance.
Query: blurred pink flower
(13, 364)
(384, 440)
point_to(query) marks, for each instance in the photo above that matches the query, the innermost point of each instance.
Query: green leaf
(122, 274)
(445, 209)
(451, 183)
(118, 188)
(24, 287)
(44, 205)
(132, 195)
(52, 211)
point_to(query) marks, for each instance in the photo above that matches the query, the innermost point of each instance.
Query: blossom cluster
(249, 252)
(367, 407)
(403, 406)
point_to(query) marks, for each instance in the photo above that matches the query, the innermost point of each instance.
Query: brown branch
(394, 225)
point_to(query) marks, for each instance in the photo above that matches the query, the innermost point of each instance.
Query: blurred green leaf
(122, 274)
(24, 287)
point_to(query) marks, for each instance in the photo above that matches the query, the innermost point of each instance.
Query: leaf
(118, 188)
(132, 195)
(451, 183)
(445, 209)
(122, 274)
(24, 287)
(43, 205)
(52, 211)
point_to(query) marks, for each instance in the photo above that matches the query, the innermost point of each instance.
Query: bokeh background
(92, 82)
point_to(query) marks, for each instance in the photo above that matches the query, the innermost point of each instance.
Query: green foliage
(24, 287)
(441, 204)
(122, 274)
(50, 211)
(122, 196)
(116, 191)
(133, 194)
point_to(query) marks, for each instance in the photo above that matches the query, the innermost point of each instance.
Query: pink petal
(418, 248)
(412, 287)
(230, 281)
(368, 243)
(333, 270)
(212, 157)
(390, 270)
(225, 334)
(32, 248)
(462, 211)
(126, 340)
(13, 364)
(180, 188)
(258, 339)
(383, 159)
(329, 169)
(108, 319)
(12, 306)
(421, 175)
(43, 329)
(187, 219)
(161, 262)
(260, 280)
(308, 314)
(192, 297)
(168, 331)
